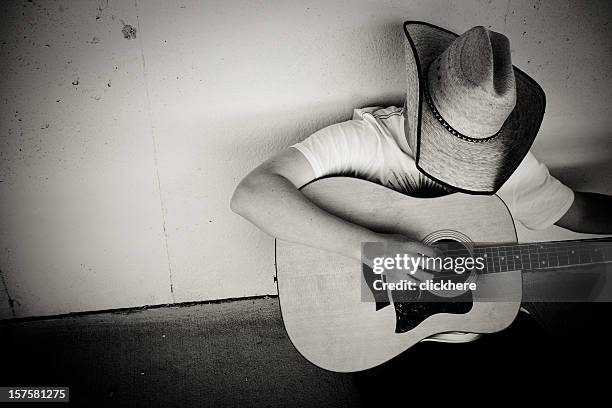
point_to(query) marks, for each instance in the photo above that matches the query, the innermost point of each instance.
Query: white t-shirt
(372, 146)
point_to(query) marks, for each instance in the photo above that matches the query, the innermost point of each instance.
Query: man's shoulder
(366, 123)
(373, 131)
(378, 112)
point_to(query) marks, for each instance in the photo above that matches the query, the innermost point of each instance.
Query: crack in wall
(11, 301)
(161, 199)
(506, 15)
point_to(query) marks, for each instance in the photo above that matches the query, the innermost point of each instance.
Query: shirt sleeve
(347, 148)
(535, 198)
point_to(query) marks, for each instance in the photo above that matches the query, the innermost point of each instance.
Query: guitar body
(320, 293)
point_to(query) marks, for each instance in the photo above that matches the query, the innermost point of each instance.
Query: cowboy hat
(473, 114)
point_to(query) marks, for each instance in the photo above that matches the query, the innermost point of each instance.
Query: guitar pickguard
(409, 315)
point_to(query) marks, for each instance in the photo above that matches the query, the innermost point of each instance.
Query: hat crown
(472, 84)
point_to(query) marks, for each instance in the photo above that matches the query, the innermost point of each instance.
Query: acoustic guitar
(337, 325)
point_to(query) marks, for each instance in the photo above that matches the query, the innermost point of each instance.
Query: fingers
(423, 275)
(427, 255)
(412, 259)
(413, 264)
(431, 265)
(423, 249)
(424, 262)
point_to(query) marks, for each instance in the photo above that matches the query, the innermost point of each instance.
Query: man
(467, 125)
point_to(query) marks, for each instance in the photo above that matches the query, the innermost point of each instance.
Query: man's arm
(269, 197)
(590, 213)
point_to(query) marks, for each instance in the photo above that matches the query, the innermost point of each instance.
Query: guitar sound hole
(458, 270)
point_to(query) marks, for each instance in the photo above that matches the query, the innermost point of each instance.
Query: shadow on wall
(301, 89)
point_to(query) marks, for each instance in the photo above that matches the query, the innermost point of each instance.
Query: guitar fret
(516, 259)
(556, 258)
(496, 256)
(529, 250)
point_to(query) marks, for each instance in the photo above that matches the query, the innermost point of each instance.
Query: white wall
(124, 195)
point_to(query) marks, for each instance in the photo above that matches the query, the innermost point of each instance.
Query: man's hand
(399, 244)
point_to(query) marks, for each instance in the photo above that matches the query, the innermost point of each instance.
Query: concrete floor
(237, 354)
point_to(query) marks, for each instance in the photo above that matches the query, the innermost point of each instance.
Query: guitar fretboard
(544, 255)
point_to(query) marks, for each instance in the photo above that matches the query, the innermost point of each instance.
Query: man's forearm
(276, 206)
(590, 213)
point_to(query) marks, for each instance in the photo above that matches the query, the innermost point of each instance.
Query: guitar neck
(544, 255)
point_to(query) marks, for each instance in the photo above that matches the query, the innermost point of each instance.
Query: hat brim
(465, 166)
